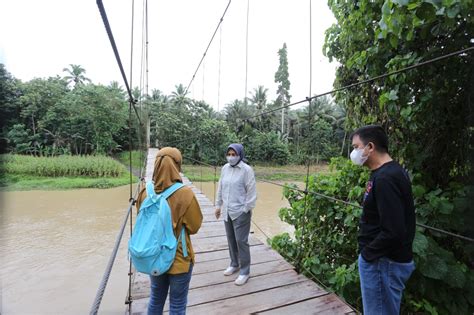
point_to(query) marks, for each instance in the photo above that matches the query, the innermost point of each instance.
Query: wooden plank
(141, 284)
(224, 253)
(217, 243)
(255, 284)
(216, 277)
(325, 305)
(260, 301)
(230, 290)
(208, 233)
(259, 256)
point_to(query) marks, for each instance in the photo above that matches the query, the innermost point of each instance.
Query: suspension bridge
(274, 285)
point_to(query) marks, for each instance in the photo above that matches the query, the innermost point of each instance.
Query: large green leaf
(420, 244)
(455, 276)
(434, 267)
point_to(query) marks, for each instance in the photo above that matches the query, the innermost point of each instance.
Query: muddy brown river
(55, 246)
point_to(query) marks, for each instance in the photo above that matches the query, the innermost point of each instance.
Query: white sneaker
(242, 279)
(230, 270)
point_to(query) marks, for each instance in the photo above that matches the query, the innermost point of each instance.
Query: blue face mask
(233, 160)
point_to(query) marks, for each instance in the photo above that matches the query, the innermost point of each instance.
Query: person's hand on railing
(218, 213)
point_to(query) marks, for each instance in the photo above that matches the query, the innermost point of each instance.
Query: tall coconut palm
(76, 75)
(179, 97)
(259, 100)
(238, 113)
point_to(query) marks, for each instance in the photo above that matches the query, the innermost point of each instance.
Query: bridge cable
(388, 74)
(310, 130)
(219, 73)
(129, 293)
(117, 55)
(247, 52)
(441, 231)
(382, 76)
(105, 278)
(207, 48)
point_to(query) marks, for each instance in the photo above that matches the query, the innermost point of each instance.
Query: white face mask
(357, 156)
(233, 160)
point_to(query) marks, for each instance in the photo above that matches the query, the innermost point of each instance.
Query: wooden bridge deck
(273, 288)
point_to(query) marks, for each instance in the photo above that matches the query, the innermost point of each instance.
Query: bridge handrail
(108, 269)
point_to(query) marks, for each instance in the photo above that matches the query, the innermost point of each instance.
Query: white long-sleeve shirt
(237, 191)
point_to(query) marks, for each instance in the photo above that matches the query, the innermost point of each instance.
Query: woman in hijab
(236, 197)
(185, 211)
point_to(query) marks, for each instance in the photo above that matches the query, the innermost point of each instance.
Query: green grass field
(197, 173)
(21, 172)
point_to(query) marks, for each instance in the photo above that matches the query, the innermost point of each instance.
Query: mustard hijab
(166, 173)
(167, 167)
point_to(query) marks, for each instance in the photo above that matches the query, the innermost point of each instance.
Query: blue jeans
(382, 283)
(178, 286)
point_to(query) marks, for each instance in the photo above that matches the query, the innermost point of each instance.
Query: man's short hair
(375, 134)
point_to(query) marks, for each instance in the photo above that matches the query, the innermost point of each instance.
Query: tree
(238, 114)
(9, 107)
(179, 96)
(76, 75)
(427, 113)
(267, 147)
(20, 139)
(259, 100)
(282, 79)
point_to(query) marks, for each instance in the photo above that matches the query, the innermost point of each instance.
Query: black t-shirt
(387, 224)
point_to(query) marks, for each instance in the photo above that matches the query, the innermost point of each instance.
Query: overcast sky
(40, 38)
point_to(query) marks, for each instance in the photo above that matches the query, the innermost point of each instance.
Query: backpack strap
(150, 189)
(165, 194)
(170, 190)
(182, 236)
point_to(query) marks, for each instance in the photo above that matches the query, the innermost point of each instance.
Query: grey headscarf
(239, 149)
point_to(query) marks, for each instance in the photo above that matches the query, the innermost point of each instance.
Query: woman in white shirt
(236, 197)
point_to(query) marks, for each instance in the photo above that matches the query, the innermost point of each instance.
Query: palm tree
(179, 97)
(76, 75)
(115, 87)
(237, 114)
(259, 100)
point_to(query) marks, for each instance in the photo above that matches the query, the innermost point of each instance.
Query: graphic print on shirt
(368, 189)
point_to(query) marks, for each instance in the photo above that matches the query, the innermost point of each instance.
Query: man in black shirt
(387, 224)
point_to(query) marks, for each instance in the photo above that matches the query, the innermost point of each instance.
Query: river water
(55, 246)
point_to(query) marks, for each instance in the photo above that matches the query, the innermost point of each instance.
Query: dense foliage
(325, 243)
(71, 115)
(427, 113)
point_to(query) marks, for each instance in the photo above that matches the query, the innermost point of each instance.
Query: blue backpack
(153, 244)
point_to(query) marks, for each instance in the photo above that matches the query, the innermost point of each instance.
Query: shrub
(325, 241)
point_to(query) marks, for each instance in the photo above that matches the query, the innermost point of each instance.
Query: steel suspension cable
(108, 269)
(129, 293)
(462, 237)
(219, 74)
(340, 201)
(105, 20)
(247, 52)
(388, 74)
(310, 130)
(207, 48)
(459, 52)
